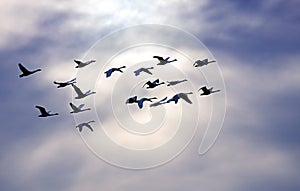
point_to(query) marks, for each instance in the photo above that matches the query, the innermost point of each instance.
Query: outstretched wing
(185, 97)
(108, 73)
(80, 106)
(159, 58)
(147, 71)
(141, 103)
(77, 62)
(204, 88)
(156, 81)
(42, 110)
(77, 90)
(74, 107)
(22, 68)
(147, 83)
(89, 126)
(70, 81)
(167, 58)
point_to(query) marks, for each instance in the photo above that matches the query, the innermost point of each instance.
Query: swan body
(164, 61)
(199, 63)
(26, 72)
(81, 64)
(110, 71)
(44, 113)
(64, 84)
(207, 91)
(78, 109)
(146, 70)
(153, 84)
(85, 124)
(80, 94)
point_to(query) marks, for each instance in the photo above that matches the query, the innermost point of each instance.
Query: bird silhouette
(110, 71)
(146, 70)
(80, 94)
(163, 61)
(140, 102)
(207, 91)
(81, 64)
(175, 82)
(64, 84)
(153, 84)
(199, 63)
(178, 96)
(44, 113)
(78, 109)
(85, 124)
(160, 102)
(26, 72)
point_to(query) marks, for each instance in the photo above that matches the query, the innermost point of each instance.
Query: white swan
(80, 94)
(81, 64)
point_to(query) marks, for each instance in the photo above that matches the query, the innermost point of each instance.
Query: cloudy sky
(256, 45)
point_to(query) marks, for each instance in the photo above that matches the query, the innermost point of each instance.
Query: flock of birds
(131, 100)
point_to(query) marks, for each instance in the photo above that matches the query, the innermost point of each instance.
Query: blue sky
(257, 47)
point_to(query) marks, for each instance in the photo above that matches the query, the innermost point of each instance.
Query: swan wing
(78, 62)
(74, 107)
(70, 81)
(167, 58)
(159, 58)
(42, 110)
(77, 90)
(80, 106)
(22, 68)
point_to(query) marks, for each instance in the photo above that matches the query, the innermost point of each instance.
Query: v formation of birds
(131, 100)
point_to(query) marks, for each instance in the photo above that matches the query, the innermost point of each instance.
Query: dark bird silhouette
(178, 96)
(81, 64)
(140, 102)
(64, 84)
(153, 84)
(146, 70)
(110, 71)
(173, 83)
(80, 94)
(78, 109)
(163, 61)
(160, 102)
(199, 63)
(26, 72)
(206, 91)
(85, 124)
(44, 113)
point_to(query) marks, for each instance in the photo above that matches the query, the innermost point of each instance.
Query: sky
(256, 46)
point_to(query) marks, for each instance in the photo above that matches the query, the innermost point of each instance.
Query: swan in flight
(153, 84)
(183, 96)
(81, 64)
(110, 71)
(26, 72)
(199, 63)
(140, 102)
(44, 113)
(78, 109)
(85, 124)
(80, 94)
(160, 102)
(163, 61)
(64, 84)
(206, 91)
(173, 83)
(146, 70)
